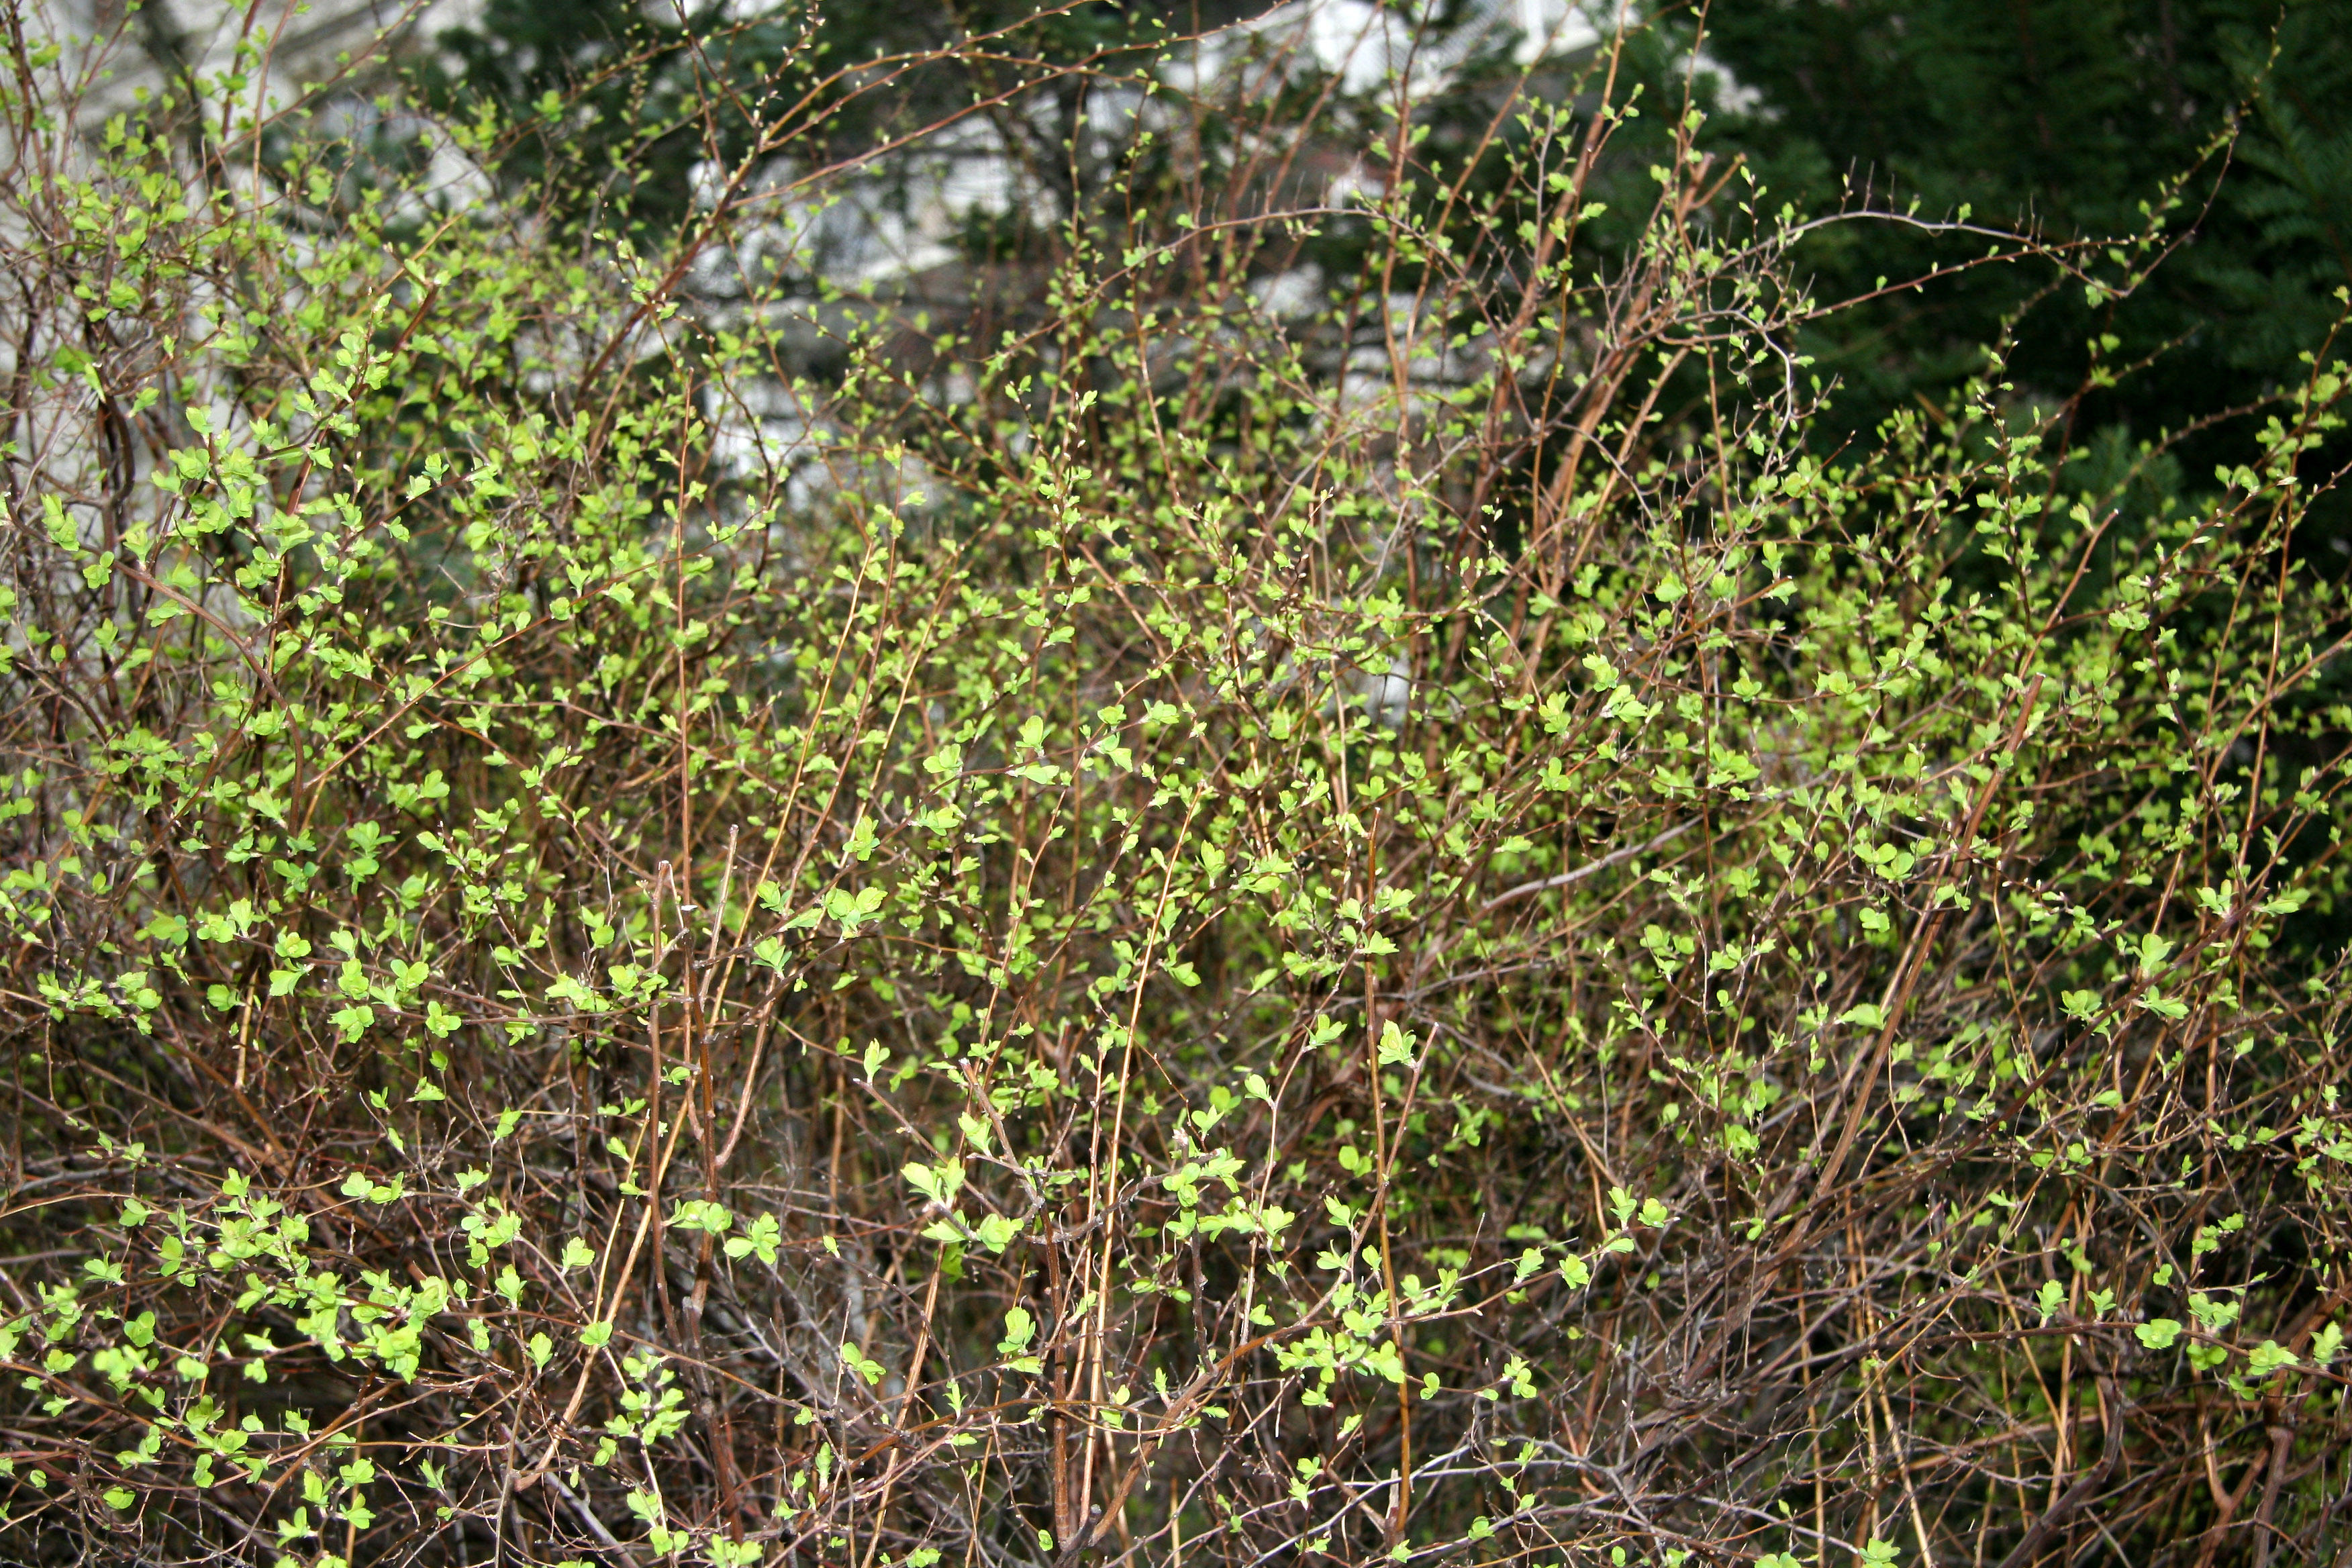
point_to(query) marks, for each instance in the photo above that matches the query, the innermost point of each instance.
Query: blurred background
(2066, 117)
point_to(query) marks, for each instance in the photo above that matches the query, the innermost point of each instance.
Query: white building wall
(288, 43)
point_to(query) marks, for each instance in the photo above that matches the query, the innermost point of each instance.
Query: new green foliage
(1140, 920)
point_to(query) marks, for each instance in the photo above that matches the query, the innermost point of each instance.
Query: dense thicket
(1275, 873)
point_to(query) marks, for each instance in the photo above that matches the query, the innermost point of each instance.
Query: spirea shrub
(1283, 881)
